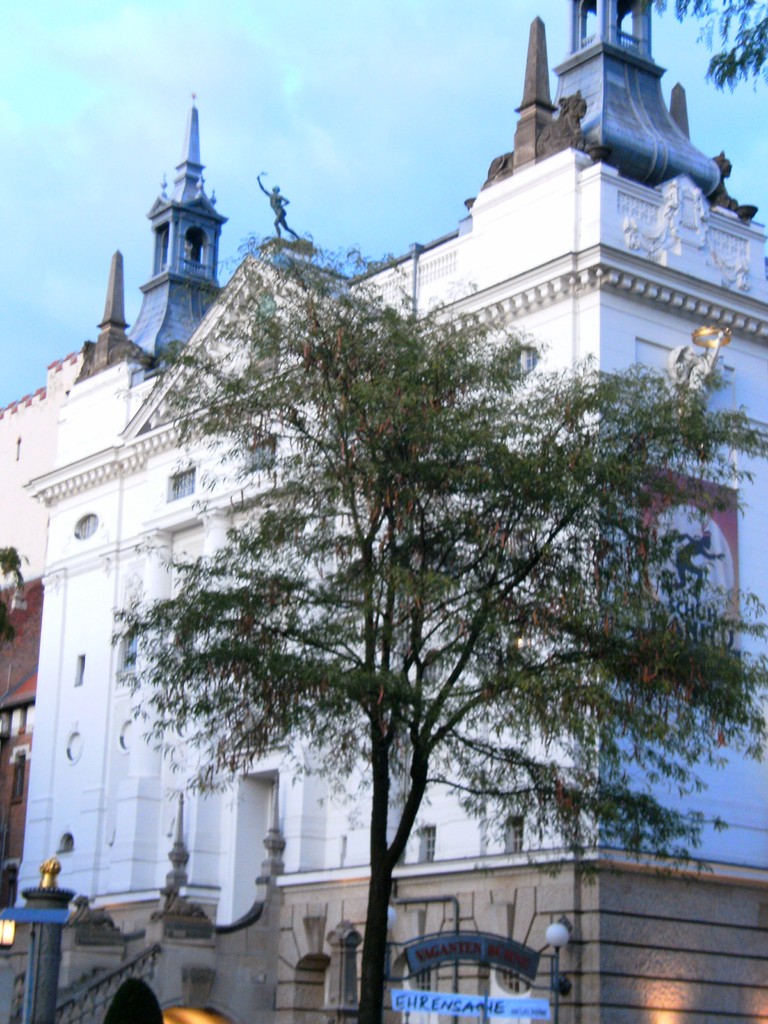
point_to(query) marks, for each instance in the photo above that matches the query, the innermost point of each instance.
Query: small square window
(181, 485)
(528, 359)
(80, 670)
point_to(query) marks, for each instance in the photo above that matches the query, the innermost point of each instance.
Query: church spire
(189, 180)
(186, 229)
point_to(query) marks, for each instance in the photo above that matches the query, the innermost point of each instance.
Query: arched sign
(476, 947)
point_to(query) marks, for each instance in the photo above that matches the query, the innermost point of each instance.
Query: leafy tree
(742, 28)
(10, 568)
(449, 570)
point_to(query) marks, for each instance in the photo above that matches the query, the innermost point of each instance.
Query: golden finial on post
(49, 873)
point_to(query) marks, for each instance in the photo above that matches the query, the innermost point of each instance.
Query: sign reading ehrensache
(456, 1005)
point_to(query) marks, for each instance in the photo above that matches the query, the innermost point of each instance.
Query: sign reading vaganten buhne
(432, 950)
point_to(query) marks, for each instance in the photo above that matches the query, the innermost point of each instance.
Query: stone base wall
(646, 948)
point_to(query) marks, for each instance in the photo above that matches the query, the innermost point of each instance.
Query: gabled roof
(23, 693)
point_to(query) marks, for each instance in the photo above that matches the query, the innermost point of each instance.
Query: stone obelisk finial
(536, 108)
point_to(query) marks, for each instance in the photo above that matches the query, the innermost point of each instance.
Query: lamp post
(557, 936)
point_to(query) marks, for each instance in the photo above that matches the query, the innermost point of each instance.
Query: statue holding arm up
(278, 204)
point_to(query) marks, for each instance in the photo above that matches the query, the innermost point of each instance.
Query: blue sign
(456, 1005)
(478, 947)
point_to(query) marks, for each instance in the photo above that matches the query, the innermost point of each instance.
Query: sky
(377, 119)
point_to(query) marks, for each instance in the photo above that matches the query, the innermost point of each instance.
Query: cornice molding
(747, 316)
(103, 467)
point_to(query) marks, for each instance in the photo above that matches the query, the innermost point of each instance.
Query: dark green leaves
(447, 567)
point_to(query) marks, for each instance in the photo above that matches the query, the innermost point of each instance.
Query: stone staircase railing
(88, 1004)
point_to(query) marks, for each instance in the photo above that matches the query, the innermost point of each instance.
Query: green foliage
(134, 1003)
(742, 29)
(449, 570)
(10, 569)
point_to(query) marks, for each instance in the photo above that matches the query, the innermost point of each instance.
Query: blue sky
(377, 120)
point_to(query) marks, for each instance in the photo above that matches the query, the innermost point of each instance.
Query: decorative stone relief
(682, 209)
(683, 218)
(731, 257)
(134, 588)
(637, 210)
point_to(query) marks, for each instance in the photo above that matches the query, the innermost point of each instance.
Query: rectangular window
(513, 840)
(80, 670)
(19, 771)
(126, 668)
(427, 844)
(423, 980)
(262, 455)
(181, 485)
(528, 359)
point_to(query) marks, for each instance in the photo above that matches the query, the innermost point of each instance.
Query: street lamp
(557, 935)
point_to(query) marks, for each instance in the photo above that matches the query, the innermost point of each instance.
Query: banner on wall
(705, 556)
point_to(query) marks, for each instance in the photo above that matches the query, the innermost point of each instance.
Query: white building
(605, 233)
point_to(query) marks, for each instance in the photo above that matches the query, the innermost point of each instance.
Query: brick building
(18, 684)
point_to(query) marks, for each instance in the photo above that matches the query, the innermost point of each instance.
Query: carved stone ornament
(176, 905)
(93, 927)
(683, 217)
(565, 131)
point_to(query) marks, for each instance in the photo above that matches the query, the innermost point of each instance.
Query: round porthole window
(86, 527)
(74, 747)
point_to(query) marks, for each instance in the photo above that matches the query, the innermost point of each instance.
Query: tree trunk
(384, 857)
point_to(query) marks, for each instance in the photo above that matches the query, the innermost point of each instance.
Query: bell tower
(186, 229)
(621, 22)
(612, 72)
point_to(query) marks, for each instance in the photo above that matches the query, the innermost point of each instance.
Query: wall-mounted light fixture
(7, 934)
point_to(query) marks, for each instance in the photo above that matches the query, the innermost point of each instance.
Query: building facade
(606, 233)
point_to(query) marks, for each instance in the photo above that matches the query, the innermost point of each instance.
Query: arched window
(633, 25)
(587, 21)
(194, 246)
(161, 248)
(66, 843)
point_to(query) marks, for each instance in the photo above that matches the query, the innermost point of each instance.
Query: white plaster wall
(551, 223)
